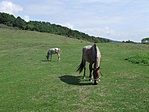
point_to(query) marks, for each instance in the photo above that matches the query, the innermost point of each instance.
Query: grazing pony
(92, 55)
(53, 51)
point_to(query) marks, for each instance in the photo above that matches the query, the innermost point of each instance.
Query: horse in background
(53, 51)
(92, 55)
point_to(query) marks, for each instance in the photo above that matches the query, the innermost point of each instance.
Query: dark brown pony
(92, 55)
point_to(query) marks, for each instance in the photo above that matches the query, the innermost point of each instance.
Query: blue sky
(114, 19)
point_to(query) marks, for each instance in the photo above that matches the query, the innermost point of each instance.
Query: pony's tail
(80, 67)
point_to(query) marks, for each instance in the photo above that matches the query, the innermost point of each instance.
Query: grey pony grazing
(92, 55)
(53, 51)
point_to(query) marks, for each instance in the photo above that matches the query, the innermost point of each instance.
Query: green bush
(139, 59)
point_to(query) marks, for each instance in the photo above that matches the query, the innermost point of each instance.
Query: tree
(128, 41)
(7, 19)
(19, 22)
(145, 40)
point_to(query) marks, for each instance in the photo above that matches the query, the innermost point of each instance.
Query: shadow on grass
(74, 80)
(44, 61)
(49, 60)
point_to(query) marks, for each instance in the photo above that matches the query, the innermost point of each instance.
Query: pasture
(30, 83)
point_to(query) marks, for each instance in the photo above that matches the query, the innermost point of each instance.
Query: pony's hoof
(90, 80)
(83, 78)
(95, 83)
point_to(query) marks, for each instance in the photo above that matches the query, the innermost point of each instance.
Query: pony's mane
(95, 53)
(95, 50)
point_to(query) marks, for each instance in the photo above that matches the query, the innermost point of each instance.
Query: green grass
(29, 83)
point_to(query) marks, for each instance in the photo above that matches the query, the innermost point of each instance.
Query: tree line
(41, 26)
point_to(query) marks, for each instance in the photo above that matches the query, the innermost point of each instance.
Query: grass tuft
(139, 59)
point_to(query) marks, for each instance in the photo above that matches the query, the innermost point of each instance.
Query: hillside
(30, 83)
(40, 26)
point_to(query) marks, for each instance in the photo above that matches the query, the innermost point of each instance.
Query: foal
(92, 55)
(53, 51)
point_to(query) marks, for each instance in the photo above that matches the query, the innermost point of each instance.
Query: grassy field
(29, 83)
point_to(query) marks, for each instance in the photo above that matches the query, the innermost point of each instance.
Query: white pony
(53, 51)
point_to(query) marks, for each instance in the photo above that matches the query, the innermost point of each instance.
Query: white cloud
(26, 18)
(9, 7)
(68, 25)
(106, 31)
(112, 34)
(97, 1)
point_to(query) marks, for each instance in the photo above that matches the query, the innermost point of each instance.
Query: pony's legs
(51, 57)
(84, 75)
(58, 56)
(90, 68)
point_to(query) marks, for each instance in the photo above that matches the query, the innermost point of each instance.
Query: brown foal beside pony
(92, 55)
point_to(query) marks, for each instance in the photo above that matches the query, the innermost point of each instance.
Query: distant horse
(53, 51)
(92, 55)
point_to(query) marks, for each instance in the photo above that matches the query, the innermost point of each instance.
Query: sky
(119, 20)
